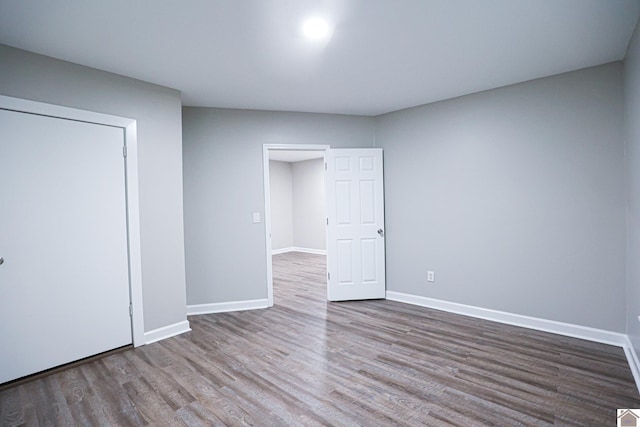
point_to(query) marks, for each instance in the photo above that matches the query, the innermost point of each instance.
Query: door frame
(129, 127)
(266, 148)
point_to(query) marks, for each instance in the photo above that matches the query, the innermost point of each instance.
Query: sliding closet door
(64, 287)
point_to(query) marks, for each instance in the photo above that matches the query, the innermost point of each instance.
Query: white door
(64, 287)
(355, 224)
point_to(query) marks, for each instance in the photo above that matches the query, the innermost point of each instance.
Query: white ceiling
(384, 55)
(292, 156)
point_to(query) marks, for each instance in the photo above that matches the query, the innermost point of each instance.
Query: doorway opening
(295, 212)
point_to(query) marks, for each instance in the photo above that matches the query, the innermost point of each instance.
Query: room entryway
(353, 221)
(297, 212)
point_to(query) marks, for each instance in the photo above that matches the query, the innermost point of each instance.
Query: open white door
(355, 224)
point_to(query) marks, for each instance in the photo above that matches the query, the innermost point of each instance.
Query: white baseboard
(166, 332)
(634, 363)
(281, 251)
(223, 307)
(310, 251)
(566, 329)
(299, 249)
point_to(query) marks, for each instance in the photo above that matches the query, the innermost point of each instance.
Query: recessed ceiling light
(315, 28)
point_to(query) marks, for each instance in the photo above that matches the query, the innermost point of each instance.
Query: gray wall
(223, 185)
(309, 215)
(281, 191)
(158, 114)
(514, 197)
(632, 137)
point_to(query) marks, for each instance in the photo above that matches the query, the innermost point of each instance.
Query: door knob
(381, 232)
(1, 261)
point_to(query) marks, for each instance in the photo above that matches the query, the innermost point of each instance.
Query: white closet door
(64, 287)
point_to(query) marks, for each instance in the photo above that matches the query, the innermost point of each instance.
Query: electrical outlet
(431, 276)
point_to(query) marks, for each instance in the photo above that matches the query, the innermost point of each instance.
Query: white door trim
(267, 201)
(131, 176)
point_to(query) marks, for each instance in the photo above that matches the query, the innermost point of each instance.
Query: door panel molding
(355, 224)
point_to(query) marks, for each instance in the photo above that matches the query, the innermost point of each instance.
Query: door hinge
(325, 166)
(328, 275)
(124, 151)
(327, 221)
(130, 310)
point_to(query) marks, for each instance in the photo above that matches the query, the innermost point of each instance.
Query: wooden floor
(307, 362)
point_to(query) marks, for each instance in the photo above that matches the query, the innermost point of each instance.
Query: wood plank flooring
(306, 362)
